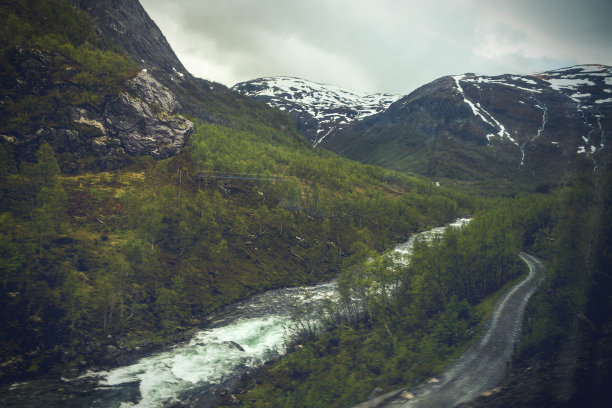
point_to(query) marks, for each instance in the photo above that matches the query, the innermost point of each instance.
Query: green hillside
(134, 256)
(105, 258)
(445, 295)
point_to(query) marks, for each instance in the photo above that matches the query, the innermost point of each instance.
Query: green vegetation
(442, 297)
(131, 258)
(147, 251)
(51, 59)
(576, 296)
(491, 170)
(388, 338)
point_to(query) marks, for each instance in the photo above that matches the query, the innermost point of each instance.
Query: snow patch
(592, 68)
(580, 95)
(504, 81)
(568, 83)
(604, 100)
(179, 73)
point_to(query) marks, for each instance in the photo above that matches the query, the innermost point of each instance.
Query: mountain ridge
(465, 127)
(320, 110)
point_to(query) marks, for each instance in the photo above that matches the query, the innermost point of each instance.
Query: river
(241, 337)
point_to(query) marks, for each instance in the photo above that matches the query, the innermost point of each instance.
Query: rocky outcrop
(142, 120)
(126, 23)
(145, 119)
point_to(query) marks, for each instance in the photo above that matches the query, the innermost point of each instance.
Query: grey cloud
(384, 45)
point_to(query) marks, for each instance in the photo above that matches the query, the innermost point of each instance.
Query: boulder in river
(235, 345)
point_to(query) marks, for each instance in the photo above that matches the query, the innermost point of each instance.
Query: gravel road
(483, 365)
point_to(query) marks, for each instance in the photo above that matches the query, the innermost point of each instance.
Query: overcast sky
(391, 46)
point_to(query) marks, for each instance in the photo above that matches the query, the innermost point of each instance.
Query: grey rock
(375, 393)
(233, 344)
(145, 122)
(147, 88)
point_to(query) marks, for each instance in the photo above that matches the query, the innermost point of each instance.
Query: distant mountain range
(465, 127)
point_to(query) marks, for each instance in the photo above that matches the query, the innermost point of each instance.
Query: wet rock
(235, 345)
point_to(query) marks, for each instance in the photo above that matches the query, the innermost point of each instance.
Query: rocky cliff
(142, 120)
(125, 22)
(63, 81)
(100, 78)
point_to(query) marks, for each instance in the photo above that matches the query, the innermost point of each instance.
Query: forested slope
(407, 335)
(99, 264)
(102, 259)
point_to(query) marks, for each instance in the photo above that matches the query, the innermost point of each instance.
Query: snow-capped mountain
(320, 110)
(472, 126)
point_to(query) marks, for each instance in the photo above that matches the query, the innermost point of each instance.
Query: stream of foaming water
(241, 337)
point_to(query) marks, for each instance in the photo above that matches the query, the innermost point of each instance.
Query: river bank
(238, 339)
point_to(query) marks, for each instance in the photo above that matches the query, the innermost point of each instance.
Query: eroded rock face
(144, 119)
(147, 88)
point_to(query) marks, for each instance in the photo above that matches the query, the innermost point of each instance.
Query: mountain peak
(470, 126)
(319, 109)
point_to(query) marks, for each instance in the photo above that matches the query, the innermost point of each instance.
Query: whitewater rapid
(241, 337)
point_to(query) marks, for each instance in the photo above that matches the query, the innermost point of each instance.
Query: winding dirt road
(483, 365)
